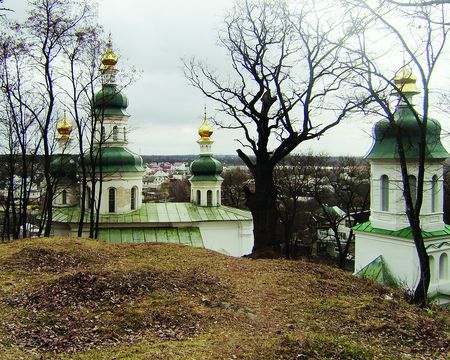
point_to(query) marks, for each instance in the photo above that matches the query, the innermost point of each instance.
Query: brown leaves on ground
(89, 308)
(46, 260)
(84, 297)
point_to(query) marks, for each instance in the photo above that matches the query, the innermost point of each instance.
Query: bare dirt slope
(84, 299)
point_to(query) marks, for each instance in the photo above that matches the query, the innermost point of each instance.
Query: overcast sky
(165, 110)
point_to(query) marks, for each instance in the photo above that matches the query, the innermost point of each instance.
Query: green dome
(385, 144)
(63, 167)
(110, 101)
(119, 159)
(206, 168)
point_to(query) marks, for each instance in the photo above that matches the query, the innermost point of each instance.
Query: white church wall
(71, 196)
(108, 125)
(440, 271)
(203, 187)
(399, 255)
(234, 238)
(401, 258)
(122, 183)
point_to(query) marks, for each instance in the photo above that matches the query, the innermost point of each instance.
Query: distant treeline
(224, 159)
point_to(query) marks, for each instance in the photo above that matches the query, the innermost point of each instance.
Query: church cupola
(385, 249)
(110, 104)
(387, 202)
(63, 167)
(119, 169)
(64, 129)
(206, 181)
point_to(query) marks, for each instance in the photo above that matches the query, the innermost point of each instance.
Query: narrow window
(64, 197)
(218, 197)
(115, 133)
(434, 199)
(199, 197)
(209, 198)
(124, 134)
(384, 193)
(412, 188)
(133, 198)
(103, 133)
(432, 272)
(443, 267)
(112, 200)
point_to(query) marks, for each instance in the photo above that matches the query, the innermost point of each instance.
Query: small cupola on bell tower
(387, 201)
(63, 167)
(206, 181)
(64, 129)
(111, 104)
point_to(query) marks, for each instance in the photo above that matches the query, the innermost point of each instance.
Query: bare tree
(52, 24)
(294, 180)
(343, 183)
(20, 132)
(83, 73)
(233, 187)
(287, 74)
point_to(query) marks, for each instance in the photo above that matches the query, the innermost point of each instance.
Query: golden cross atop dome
(64, 128)
(405, 81)
(205, 130)
(109, 58)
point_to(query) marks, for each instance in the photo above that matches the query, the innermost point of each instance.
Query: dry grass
(84, 299)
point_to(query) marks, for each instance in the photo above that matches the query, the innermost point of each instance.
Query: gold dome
(109, 58)
(205, 130)
(405, 81)
(64, 128)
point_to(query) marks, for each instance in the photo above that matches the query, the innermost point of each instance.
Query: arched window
(124, 134)
(115, 133)
(102, 133)
(133, 198)
(209, 198)
(218, 197)
(412, 187)
(199, 197)
(384, 180)
(443, 266)
(434, 192)
(64, 197)
(432, 271)
(112, 200)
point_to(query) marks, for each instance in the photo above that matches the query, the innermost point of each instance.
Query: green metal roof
(110, 101)
(437, 246)
(385, 142)
(378, 271)
(207, 166)
(206, 178)
(119, 159)
(185, 236)
(64, 167)
(155, 213)
(403, 233)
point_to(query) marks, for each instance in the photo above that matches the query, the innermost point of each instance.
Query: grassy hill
(84, 299)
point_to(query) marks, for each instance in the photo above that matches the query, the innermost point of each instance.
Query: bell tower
(206, 181)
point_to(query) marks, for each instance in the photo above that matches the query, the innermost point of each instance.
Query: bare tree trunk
(262, 205)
